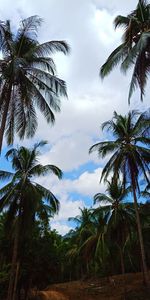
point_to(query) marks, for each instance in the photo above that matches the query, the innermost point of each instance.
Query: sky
(87, 26)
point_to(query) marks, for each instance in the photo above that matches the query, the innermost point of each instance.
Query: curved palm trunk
(143, 257)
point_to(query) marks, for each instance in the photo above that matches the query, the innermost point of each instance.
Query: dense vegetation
(105, 242)
(111, 237)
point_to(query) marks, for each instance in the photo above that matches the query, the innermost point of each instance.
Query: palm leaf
(51, 47)
(113, 60)
(39, 170)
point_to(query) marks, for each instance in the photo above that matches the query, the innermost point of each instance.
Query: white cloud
(69, 152)
(68, 208)
(87, 184)
(87, 26)
(70, 193)
(61, 228)
(116, 6)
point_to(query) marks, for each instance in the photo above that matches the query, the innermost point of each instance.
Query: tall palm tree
(24, 200)
(28, 79)
(130, 157)
(119, 215)
(134, 51)
(85, 226)
(89, 248)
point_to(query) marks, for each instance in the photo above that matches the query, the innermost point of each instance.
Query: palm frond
(40, 170)
(121, 21)
(49, 197)
(113, 60)
(4, 175)
(102, 198)
(51, 47)
(29, 27)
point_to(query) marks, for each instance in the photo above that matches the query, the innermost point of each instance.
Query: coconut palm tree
(130, 157)
(85, 227)
(28, 79)
(89, 246)
(119, 216)
(134, 51)
(24, 200)
(94, 247)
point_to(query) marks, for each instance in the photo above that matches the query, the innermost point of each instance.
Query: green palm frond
(113, 60)
(45, 63)
(40, 170)
(52, 47)
(134, 50)
(29, 27)
(127, 132)
(28, 78)
(104, 148)
(28, 193)
(4, 175)
(26, 121)
(99, 197)
(49, 197)
(121, 21)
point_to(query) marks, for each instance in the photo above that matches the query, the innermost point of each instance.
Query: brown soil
(111, 288)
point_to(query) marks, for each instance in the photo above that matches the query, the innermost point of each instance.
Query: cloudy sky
(87, 25)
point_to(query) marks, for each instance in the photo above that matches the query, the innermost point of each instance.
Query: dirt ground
(111, 288)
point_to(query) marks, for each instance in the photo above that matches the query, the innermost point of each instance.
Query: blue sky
(87, 26)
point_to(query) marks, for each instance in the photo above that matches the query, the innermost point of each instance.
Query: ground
(111, 288)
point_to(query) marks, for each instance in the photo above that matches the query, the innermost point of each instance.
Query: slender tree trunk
(28, 289)
(4, 115)
(122, 261)
(87, 268)
(70, 275)
(13, 266)
(3, 124)
(16, 281)
(13, 281)
(123, 271)
(139, 227)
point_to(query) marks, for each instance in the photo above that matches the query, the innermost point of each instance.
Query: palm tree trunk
(15, 264)
(4, 115)
(3, 124)
(16, 281)
(122, 261)
(143, 257)
(13, 267)
(28, 288)
(123, 271)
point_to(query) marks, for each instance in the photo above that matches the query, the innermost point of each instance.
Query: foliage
(25, 200)
(134, 51)
(28, 79)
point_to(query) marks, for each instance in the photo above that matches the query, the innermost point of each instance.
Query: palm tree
(28, 79)
(89, 247)
(24, 200)
(134, 49)
(119, 215)
(94, 247)
(130, 157)
(85, 226)
(84, 220)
